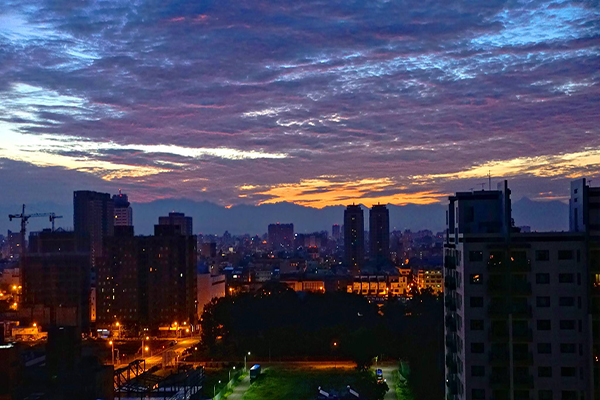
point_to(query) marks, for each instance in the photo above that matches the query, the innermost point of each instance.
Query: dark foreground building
(521, 309)
(148, 281)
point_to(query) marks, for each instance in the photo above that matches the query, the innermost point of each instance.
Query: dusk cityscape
(253, 200)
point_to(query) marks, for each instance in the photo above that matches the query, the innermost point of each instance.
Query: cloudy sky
(315, 102)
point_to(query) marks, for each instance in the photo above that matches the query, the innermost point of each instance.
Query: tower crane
(25, 218)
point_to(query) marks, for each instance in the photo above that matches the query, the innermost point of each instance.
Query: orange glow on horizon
(326, 191)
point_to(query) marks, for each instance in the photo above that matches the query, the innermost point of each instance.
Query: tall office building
(123, 210)
(93, 219)
(518, 312)
(379, 233)
(178, 219)
(281, 236)
(354, 238)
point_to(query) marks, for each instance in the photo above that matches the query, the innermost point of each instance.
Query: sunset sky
(313, 102)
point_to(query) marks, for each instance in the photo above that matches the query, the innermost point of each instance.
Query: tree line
(277, 323)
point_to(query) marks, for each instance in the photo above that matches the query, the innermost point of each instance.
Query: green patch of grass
(402, 390)
(302, 384)
(211, 380)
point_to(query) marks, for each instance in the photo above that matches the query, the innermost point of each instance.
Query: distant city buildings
(354, 238)
(335, 232)
(521, 309)
(281, 236)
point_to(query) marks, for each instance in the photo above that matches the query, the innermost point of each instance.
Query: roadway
(157, 357)
(388, 375)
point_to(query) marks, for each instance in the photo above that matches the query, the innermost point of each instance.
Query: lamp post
(112, 351)
(245, 359)
(230, 373)
(335, 356)
(215, 389)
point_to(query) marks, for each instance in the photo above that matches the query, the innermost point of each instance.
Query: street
(157, 357)
(388, 375)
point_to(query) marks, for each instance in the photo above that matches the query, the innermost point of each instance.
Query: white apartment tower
(520, 318)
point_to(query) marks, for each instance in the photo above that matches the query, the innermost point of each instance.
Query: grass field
(303, 383)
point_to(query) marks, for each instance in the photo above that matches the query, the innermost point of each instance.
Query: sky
(313, 102)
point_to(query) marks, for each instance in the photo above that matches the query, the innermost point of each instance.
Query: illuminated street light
(230, 373)
(245, 359)
(112, 351)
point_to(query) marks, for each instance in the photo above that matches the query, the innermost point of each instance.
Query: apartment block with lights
(521, 309)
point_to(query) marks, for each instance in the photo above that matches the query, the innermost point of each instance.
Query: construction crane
(52, 217)
(25, 218)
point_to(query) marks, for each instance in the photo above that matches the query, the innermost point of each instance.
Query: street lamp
(245, 359)
(215, 389)
(230, 373)
(112, 351)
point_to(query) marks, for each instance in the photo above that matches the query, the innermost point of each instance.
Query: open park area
(302, 382)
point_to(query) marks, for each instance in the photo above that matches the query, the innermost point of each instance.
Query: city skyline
(307, 103)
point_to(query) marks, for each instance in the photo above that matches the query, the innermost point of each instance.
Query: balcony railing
(450, 303)
(499, 381)
(522, 335)
(523, 381)
(505, 286)
(451, 343)
(450, 323)
(450, 283)
(523, 358)
(450, 262)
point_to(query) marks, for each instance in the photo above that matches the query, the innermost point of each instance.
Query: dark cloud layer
(254, 101)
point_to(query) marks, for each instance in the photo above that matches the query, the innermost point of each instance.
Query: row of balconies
(503, 309)
(517, 265)
(519, 336)
(509, 286)
(450, 303)
(520, 381)
(450, 262)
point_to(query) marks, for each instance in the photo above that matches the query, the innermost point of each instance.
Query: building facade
(56, 282)
(178, 219)
(354, 238)
(281, 236)
(148, 281)
(123, 210)
(517, 306)
(379, 233)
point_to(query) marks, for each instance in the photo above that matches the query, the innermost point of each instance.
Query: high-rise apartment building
(123, 210)
(148, 281)
(56, 281)
(281, 236)
(354, 238)
(584, 216)
(518, 312)
(178, 219)
(379, 233)
(93, 220)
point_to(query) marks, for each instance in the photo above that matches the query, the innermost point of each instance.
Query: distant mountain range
(215, 219)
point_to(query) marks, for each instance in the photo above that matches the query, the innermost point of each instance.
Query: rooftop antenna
(489, 180)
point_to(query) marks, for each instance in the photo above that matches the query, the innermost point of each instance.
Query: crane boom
(25, 218)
